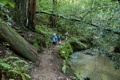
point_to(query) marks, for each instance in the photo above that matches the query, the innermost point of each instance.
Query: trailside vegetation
(90, 24)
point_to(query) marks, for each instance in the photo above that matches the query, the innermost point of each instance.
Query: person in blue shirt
(54, 39)
(59, 39)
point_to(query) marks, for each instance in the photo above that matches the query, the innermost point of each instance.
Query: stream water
(94, 66)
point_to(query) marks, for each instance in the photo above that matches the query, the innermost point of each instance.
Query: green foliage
(64, 67)
(7, 2)
(5, 44)
(116, 58)
(37, 41)
(66, 64)
(14, 67)
(43, 30)
(44, 19)
(78, 45)
(77, 74)
(93, 22)
(65, 51)
(43, 39)
(5, 12)
(41, 5)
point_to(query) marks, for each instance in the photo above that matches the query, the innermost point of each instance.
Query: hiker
(54, 39)
(66, 35)
(59, 39)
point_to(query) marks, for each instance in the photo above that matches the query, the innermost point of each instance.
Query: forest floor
(49, 65)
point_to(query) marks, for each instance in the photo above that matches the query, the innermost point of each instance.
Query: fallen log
(79, 20)
(18, 43)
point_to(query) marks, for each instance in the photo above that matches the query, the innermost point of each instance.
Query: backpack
(58, 36)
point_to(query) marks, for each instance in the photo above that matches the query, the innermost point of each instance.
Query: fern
(9, 58)
(28, 76)
(13, 71)
(14, 67)
(23, 77)
(64, 66)
(5, 65)
(66, 50)
(78, 76)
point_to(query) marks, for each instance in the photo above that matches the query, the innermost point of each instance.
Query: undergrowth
(14, 68)
(65, 51)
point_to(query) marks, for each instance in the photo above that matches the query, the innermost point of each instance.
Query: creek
(93, 66)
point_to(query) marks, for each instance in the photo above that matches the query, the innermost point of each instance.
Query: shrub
(66, 50)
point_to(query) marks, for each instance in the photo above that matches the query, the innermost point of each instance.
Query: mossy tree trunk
(21, 13)
(18, 44)
(25, 13)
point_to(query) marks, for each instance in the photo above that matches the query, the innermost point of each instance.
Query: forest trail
(49, 65)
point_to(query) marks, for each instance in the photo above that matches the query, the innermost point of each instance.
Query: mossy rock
(86, 39)
(77, 45)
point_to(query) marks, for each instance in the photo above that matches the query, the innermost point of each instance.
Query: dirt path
(49, 66)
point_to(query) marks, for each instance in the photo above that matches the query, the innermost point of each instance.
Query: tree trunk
(18, 44)
(31, 14)
(25, 13)
(53, 17)
(21, 13)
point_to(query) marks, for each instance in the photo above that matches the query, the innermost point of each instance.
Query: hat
(54, 34)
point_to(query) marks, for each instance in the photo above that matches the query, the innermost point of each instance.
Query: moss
(78, 45)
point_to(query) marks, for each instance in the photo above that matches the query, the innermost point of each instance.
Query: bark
(52, 16)
(18, 44)
(21, 12)
(31, 14)
(25, 13)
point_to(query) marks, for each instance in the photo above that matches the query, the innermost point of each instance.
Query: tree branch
(75, 19)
